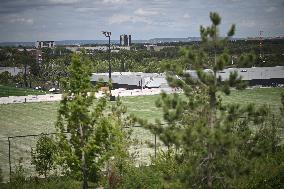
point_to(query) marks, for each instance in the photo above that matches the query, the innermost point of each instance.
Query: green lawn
(14, 91)
(35, 118)
(260, 96)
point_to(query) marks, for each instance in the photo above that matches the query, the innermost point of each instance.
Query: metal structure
(10, 138)
(108, 34)
(260, 44)
(21, 136)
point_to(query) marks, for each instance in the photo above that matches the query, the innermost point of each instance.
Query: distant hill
(17, 44)
(170, 40)
(99, 42)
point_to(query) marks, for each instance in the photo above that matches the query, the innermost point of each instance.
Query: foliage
(43, 157)
(1, 175)
(18, 175)
(246, 60)
(212, 145)
(5, 78)
(95, 136)
(142, 177)
(54, 68)
(51, 183)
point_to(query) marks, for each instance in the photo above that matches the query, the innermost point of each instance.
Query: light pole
(108, 34)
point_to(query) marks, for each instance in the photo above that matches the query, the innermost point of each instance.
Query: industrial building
(132, 80)
(262, 76)
(255, 76)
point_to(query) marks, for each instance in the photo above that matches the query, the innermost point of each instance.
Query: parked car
(38, 88)
(53, 90)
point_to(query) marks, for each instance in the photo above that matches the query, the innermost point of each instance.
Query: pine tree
(207, 140)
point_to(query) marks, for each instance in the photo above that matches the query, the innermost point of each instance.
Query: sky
(31, 20)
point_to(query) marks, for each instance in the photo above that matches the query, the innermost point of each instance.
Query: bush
(1, 176)
(43, 157)
(5, 78)
(18, 175)
(144, 177)
(54, 183)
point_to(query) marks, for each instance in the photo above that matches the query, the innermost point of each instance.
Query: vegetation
(43, 156)
(6, 91)
(207, 140)
(95, 136)
(50, 183)
(36, 118)
(209, 144)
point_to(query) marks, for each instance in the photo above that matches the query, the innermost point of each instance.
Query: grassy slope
(13, 91)
(269, 96)
(34, 118)
(29, 118)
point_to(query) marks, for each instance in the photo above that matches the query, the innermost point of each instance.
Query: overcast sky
(31, 20)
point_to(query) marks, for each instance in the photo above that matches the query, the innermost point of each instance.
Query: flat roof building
(256, 76)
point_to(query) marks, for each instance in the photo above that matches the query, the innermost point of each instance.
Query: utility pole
(261, 45)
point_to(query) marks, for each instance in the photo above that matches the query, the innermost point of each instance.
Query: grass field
(35, 118)
(14, 91)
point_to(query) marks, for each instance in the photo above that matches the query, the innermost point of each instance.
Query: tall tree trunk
(25, 75)
(83, 161)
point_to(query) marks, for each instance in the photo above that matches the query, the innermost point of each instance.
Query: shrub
(43, 157)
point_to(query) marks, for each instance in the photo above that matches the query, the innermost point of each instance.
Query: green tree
(210, 144)
(94, 136)
(43, 156)
(26, 61)
(5, 78)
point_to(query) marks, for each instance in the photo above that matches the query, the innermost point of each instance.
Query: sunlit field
(35, 118)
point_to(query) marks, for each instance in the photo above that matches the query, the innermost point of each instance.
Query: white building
(44, 44)
(13, 70)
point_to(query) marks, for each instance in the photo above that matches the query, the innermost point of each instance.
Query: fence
(145, 145)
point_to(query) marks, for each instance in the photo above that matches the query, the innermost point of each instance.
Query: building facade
(125, 40)
(44, 44)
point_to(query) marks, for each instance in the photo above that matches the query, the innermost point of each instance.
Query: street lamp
(108, 34)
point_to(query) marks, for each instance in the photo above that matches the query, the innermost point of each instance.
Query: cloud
(29, 21)
(123, 18)
(115, 1)
(270, 9)
(144, 18)
(63, 1)
(247, 23)
(142, 12)
(119, 18)
(281, 24)
(186, 15)
(86, 9)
